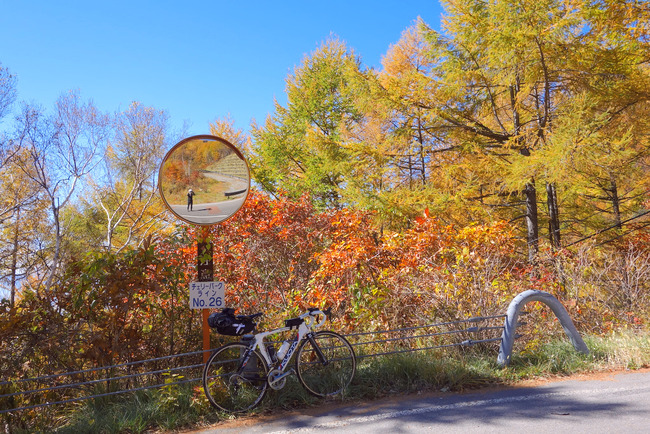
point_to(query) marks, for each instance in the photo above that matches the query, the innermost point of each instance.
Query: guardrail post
(509, 330)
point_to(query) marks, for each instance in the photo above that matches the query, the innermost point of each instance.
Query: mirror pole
(220, 184)
(205, 271)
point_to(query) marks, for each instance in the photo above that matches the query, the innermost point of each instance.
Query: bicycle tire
(228, 386)
(331, 377)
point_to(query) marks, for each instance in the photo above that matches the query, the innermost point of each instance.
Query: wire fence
(168, 371)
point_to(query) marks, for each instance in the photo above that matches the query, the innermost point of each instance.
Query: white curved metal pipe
(517, 303)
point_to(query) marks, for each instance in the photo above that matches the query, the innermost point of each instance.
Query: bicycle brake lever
(328, 313)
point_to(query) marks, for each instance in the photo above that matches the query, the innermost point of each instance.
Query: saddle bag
(228, 324)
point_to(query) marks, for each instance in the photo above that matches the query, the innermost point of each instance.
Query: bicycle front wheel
(233, 384)
(325, 363)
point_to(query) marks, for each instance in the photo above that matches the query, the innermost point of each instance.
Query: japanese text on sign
(206, 295)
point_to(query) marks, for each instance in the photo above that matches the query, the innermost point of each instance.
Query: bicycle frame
(304, 329)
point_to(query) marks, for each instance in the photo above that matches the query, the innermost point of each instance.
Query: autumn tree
(25, 220)
(225, 128)
(60, 150)
(399, 166)
(609, 166)
(7, 91)
(7, 97)
(503, 74)
(298, 148)
(22, 210)
(605, 127)
(126, 190)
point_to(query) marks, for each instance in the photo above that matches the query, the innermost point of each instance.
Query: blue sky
(198, 60)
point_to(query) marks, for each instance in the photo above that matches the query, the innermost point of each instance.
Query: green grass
(176, 407)
(558, 358)
(139, 412)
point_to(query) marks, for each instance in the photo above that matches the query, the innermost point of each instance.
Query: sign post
(204, 180)
(205, 271)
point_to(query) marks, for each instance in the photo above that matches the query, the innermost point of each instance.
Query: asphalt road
(209, 213)
(214, 212)
(603, 403)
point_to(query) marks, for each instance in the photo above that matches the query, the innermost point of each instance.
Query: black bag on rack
(229, 324)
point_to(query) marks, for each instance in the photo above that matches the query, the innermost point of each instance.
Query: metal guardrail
(514, 309)
(69, 389)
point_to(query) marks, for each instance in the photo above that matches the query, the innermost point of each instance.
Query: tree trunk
(554, 233)
(616, 202)
(14, 259)
(554, 216)
(532, 222)
(421, 151)
(57, 246)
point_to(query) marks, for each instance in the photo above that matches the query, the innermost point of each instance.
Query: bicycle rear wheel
(325, 363)
(229, 384)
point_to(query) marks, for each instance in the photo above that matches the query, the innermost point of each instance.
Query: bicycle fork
(246, 357)
(317, 349)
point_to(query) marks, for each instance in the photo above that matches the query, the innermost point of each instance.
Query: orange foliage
(280, 256)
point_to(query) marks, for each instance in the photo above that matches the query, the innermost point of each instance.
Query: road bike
(237, 375)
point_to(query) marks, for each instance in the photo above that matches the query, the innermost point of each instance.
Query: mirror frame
(179, 145)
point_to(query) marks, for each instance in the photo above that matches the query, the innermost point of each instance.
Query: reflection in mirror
(204, 180)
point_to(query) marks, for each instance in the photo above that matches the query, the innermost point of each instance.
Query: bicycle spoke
(328, 368)
(229, 385)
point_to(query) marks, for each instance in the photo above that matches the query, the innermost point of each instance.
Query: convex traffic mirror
(204, 180)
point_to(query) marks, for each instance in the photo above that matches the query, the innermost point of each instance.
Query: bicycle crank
(277, 379)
